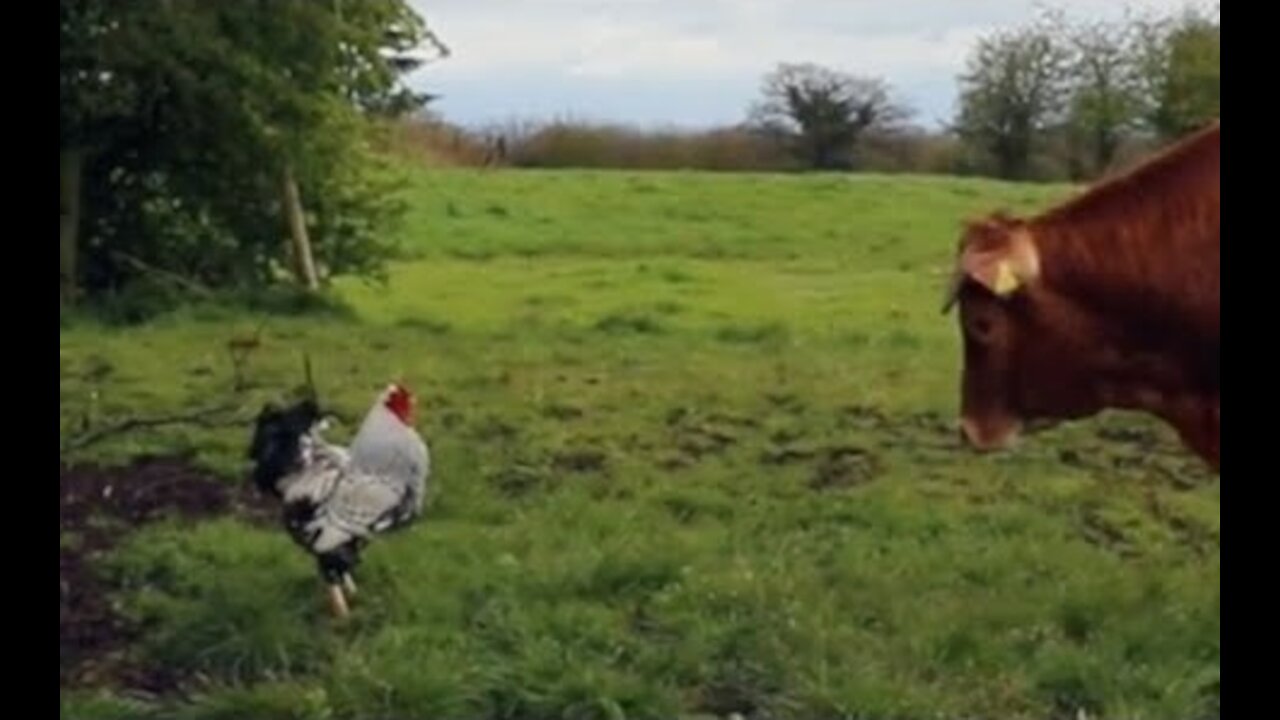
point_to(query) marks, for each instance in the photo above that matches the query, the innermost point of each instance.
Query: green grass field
(694, 454)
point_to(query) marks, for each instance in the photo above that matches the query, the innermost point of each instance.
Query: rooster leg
(333, 566)
(351, 557)
(338, 602)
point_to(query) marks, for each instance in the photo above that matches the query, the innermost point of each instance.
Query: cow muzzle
(988, 436)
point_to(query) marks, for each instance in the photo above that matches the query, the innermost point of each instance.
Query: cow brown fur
(1109, 300)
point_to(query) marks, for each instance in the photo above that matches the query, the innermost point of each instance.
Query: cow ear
(1005, 269)
(994, 271)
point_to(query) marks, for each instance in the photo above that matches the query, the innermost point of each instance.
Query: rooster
(335, 499)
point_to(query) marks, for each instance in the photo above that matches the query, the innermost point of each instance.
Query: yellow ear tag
(1006, 281)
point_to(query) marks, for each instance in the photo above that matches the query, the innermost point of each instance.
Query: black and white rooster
(336, 499)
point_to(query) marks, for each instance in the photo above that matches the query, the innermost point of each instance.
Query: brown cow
(1109, 300)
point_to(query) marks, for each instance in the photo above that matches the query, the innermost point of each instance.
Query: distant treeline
(1058, 98)
(565, 144)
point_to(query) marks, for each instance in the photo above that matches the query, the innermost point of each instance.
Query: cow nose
(985, 437)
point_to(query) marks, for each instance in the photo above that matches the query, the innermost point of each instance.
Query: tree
(97, 95)
(196, 122)
(1104, 90)
(1013, 90)
(822, 114)
(1181, 71)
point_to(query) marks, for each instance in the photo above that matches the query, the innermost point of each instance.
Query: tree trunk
(304, 265)
(70, 167)
(1105, 146)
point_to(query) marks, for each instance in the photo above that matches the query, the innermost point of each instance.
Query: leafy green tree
(202, 135)
(821, 114)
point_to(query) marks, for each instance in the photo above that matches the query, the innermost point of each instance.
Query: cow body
(1110, 300)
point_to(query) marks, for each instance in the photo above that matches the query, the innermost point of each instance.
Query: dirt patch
(1142, 438)
(834, 466)
(519, 478)
(580, 460)
(98, 506)
(1142, 460)
(696, 436)
(1098, 530)
(562, 411)
(861, 417)
(844, 467)
(1191, 534)
(786, 454)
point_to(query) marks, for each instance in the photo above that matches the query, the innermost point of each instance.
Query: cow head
(1022, 344)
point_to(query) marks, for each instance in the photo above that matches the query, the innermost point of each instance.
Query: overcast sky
(697, 63)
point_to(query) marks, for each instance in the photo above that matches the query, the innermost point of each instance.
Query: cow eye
(981, 327)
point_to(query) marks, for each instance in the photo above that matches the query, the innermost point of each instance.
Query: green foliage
(189, 113)
(1081, 90)
(1013, 90)
(1105, 103)
(1182, 65)
(821, 114)
(102, 706)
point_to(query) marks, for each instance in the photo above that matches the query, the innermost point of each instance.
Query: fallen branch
(190, 285)
(198, 417)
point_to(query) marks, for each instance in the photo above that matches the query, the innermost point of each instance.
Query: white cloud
(699, 61)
